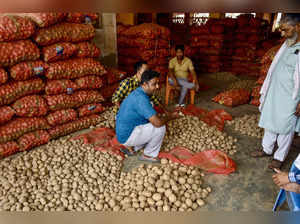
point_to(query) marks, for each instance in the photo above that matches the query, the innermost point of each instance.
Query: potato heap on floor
(194, 134)
(247, 125)
(69, 175)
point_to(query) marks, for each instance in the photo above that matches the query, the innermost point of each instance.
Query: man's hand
(293, 187)
(280, 178)
(297, 113)
(197, 87)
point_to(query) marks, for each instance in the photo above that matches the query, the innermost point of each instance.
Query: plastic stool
(292, 198)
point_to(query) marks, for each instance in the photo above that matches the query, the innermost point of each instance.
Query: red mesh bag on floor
(90, 109)
(3, 76)
(12, 91)
(58, 51)
(8, 149)
(31, 106)
(233, 97)
(87, 50)
(54, 87)
(65, 101)
(6, 114)
(20, 126)
(61, 117)
(12, 53)
(64, 32)
(33, 139)
(79, 124)
(15, 28)
(89, 82)
(213, 161)
(45, 19)
(74, 68)
(103, 139)
(28, 70)
(255, 91)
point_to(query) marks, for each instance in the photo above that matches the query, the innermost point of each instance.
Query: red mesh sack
(148, 31)
(68, 128)
(270, 54)
(90, 109)
(82, 17)
(255, 102)
(45, 19)
(61, 117)
(144, 55)
(255, 91)
(261, 80)
(89, 82)
(8, 149)
(198, 41)
(54, 87)
(213, 161)
(217, 29)
(103, 139)
(12, 53)
(3, 76)
(142, 43)
(115, 75)
(28, 70)
(12, 91)
(20, 126)
(6, 114)
(87, 50)
(65, 101)
(254, 38)
(64, 32)
(30, 106)
(233, 97)
(202, 29)
(58, 51)
(210, 51)
(244, 20)
(255, 22)
(15, 28)
(74, 68)
(33, 139)
(108, 91)
(216, 44)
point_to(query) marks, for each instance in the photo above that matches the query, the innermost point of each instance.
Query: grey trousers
(185, 86)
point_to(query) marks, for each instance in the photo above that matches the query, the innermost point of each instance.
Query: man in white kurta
(281, 96)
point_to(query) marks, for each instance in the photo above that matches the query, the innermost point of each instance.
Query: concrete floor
(251, 187)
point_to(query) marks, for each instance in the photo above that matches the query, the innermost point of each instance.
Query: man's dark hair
(291, 18)
(149, 75)
(138, 65)
(179, 47)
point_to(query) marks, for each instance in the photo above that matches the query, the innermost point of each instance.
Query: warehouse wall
(126, 18)
(106, 39)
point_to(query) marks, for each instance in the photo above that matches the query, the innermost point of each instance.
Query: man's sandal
(149, 159)
(258, 154)
(275, 164)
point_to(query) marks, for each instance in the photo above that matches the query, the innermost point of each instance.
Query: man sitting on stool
(137, 123)
(179, 68)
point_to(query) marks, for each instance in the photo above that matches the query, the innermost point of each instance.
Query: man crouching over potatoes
(138, 124)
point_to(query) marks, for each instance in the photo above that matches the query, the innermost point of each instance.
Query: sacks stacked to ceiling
(49, 78)
(265, 65)
(149, 42)
(248, 37)
(207, 42)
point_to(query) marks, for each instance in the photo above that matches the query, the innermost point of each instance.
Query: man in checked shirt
(131, 83)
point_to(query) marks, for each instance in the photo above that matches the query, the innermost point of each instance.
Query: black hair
(138, 65)
(179, 47)
(149, 75)
(291, 18)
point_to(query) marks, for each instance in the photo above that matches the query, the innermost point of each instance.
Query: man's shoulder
(173, 60)
(187, 59)
(125, 81)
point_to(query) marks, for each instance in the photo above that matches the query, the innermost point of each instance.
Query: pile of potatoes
(67, 175)
(247, 125)
(107, 119)
(223, 76)
(194, 134)
(242, 84)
